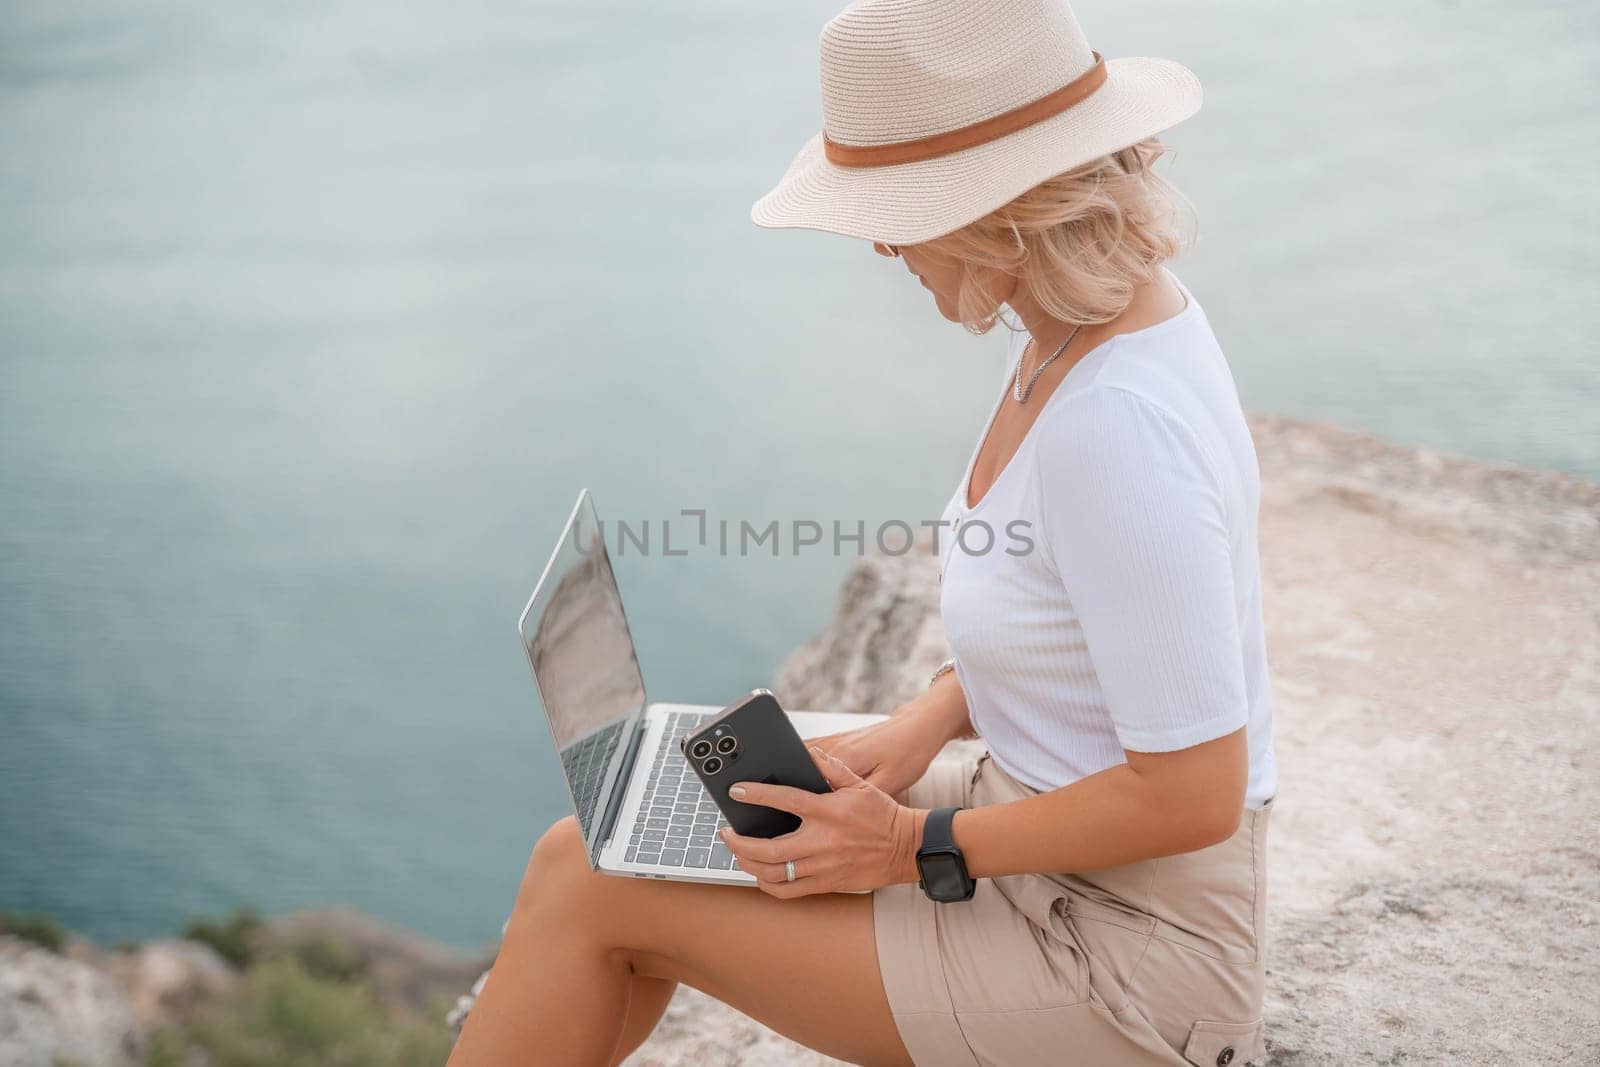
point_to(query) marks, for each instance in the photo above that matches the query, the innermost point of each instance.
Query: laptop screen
(583, 660)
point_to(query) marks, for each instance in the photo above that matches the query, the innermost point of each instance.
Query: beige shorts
(1157, 962)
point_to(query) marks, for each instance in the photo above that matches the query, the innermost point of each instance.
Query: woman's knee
(558, 870)
(560, 846)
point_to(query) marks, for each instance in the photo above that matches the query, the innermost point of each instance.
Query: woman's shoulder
(1133, 416)
(1171, 373)
(1176, 349)
(1109, 425)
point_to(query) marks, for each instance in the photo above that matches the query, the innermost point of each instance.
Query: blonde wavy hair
(1079, 243)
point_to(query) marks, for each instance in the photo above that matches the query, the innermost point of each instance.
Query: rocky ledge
(282, 990)
(1434, 629)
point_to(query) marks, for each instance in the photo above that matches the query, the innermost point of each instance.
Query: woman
(1115, 668)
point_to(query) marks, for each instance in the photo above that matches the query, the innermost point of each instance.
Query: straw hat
(936, 112)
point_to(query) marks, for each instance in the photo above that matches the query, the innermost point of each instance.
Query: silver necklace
(1021, 392)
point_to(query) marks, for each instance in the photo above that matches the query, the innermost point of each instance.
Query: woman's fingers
(800, 887)
(810, 868)
(851, 749)
(772, 876)
(762, 849)
(835, 770)
(783, 797)
(764, 872)
(855, 820)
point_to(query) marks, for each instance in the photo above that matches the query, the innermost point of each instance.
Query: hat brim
(914, 202)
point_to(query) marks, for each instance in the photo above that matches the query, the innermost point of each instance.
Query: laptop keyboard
(585, 766)
(678, 821)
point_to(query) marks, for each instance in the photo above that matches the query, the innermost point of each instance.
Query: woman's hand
(891, 754)
(853, 839)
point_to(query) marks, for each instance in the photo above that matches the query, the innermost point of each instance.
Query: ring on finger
(788, 871)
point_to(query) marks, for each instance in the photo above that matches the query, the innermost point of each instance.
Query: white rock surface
(57, 1010)
(164, 979)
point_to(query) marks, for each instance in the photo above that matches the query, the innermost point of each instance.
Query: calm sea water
(314, 318)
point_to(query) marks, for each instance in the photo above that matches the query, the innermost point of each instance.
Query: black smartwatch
(940, 863)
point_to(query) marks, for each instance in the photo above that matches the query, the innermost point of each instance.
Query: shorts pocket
(1226, 1044)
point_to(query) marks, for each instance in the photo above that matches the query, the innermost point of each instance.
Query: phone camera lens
(727, 745)
(712, 765)
(701, 749)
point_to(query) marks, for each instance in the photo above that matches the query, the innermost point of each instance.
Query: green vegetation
(39, 929)
(234, 938)
(283, 1015)
(328, 958)
(305, 1002)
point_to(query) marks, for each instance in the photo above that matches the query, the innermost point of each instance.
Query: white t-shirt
(1105, 594)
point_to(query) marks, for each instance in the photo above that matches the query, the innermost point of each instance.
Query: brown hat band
(981, 132)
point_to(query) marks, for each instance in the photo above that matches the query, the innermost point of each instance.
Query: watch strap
(937, 832)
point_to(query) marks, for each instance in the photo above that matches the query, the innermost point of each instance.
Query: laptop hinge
(619, 789)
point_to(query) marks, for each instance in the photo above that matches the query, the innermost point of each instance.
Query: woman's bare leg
(647, 1003)
(562, 988)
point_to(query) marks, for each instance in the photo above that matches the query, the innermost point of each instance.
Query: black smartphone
(752, 740)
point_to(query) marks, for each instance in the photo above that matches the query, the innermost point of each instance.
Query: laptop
(641, 809)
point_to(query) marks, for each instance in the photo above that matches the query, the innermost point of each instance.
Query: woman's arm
(1142, 526)
(894, 753)
(858, 838)
(1156, 804)
(941, 708)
